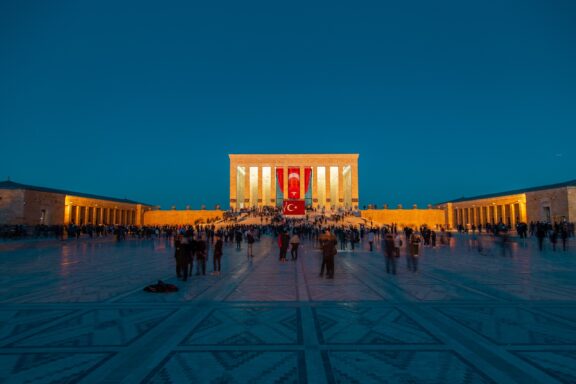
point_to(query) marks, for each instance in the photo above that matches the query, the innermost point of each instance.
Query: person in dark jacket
(217, 255)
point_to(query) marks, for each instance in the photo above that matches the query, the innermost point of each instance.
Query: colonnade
(81, 215)
(490, 213)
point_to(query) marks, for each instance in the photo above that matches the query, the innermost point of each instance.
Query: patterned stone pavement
(75, 312)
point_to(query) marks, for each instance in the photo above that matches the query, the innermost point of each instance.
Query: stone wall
(180, 217)
(406, 217)
(559, 200)
(11, 206)
(51, 205)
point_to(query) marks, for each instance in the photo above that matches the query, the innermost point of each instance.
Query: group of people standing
(189, 248)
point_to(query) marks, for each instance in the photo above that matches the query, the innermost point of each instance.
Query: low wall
(406, 217)
(184, 217)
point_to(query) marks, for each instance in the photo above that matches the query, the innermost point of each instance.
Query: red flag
(293, 183)
(294, 208)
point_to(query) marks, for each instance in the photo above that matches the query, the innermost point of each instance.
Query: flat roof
(12, 185)
(571, 183)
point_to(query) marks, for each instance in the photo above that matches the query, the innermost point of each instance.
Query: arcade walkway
(75, 312)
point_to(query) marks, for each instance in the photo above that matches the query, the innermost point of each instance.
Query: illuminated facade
(31, 205)
(322, 180)
(549, 203)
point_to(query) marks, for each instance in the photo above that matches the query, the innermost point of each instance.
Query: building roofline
(12, 186)
(571, 183)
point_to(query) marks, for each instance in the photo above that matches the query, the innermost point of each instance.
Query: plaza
(74, 311)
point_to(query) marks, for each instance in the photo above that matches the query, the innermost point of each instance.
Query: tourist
(295, 243)
(250, 240)
(414, 251)
(389, 248)
(217, 255)
(181, 259)
(397, 243)
(238, 237)
(328, 253)
(200, 255)
(554, 239)
(371, 239)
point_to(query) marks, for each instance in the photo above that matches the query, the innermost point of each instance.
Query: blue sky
(145, 100)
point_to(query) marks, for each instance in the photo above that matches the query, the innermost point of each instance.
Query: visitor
(389, 248)
(200, 255)
(217, 255)
(328, 253)
(371, 239)
(414, 251)
(295, 243)
(250, 240)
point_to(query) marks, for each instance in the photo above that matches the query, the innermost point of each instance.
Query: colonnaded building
(323, 181)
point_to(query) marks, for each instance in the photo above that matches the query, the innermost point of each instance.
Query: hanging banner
(294, 208)
(280, 178)
(293, 183)
(307, 179)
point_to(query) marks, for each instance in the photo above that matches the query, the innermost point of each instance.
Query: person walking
(295, 243)
(414, 254)
(217, 259)
(389, 248)
(181, 259)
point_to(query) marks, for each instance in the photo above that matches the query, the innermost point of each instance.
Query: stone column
(273, 186)
(315, 186)
(328, 193)
(355, 197)
(512, 215)
(247, 187)
(340, 185)
(302, 183)
(522, 213)
(285, 177)
(233, 178)
(261, 201)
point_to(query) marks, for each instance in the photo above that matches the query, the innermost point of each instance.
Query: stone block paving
(75, 311)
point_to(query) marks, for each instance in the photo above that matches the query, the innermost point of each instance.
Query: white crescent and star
(290, 209)
(294, 175)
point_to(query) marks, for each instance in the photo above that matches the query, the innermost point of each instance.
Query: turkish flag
(294, 208)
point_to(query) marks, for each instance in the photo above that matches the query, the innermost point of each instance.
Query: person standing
(328, 253)
(414, 253)
(295, 243)
(389, 248)
(371, 239)
(218, 255)
(250, 240)
(181, 259)
(200, 255)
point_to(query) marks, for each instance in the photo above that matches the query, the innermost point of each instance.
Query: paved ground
(75, 312)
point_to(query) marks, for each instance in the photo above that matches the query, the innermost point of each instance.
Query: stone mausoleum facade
(327, 181)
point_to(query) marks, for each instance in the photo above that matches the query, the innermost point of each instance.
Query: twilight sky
(145, 99)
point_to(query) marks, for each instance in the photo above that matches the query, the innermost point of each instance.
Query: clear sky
(145, 99)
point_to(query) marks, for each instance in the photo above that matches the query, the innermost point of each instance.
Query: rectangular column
(272, 187)
(233, 177)
(340, 185)
(329, 201)
(247, 202)
(285, 177)
(261, 201)
(302, 183)
(315, 201)
(355, 197)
